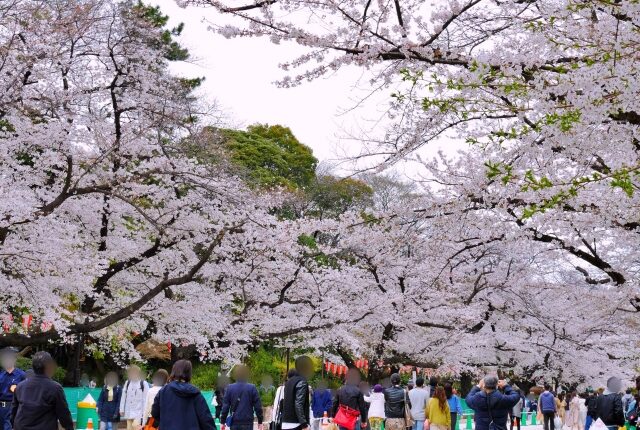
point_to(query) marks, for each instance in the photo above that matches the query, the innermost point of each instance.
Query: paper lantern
(26, 321)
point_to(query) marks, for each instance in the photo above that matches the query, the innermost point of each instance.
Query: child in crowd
(109, 402)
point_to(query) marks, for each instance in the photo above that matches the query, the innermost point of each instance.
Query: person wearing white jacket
(159, 379)
(134, 397)
(376, 409)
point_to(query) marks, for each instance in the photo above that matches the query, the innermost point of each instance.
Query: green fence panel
(74, 395)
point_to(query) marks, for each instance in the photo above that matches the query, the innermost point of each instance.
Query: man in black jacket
(609, 405)
(349, 395)
(296, 404)
(395, 399)
(39, 402)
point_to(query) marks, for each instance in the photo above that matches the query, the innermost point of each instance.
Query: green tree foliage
(172, 49)
(271, 156)
(332, 196)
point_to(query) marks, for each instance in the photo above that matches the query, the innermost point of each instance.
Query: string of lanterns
(341, 369)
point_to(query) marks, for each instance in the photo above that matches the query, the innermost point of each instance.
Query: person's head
(378, 388)
(547, 387)
(448, 390)
(395, 379)
(291, 373)
(490, 383)
(181, 371)
(43, 364)
(353, 377)
(433, 381)
(561, 396)
(111, 379)
(419, 382)
(160, 378)
(304, 366)
(628, 391)
(614, 384)
(8, 358)
(442, 397)
(410, 386)
(241, 373)
(134, 373)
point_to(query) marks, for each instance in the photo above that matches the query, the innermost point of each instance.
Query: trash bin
(86, 410)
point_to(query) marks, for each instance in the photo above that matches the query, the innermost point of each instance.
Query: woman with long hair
(438, 412)
(179, 405)
(455, 406)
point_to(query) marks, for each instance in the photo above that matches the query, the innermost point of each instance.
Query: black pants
(515, 421)
(454, 420)
(548, 420)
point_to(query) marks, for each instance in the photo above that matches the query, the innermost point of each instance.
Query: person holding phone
(492, 400)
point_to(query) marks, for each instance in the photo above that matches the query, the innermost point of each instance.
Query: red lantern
(333, 369)
(169, 346)
(46, 326)
(26, 321)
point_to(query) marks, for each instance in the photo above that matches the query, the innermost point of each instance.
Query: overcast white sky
(240, 75)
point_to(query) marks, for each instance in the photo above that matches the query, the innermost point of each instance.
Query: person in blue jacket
(492, 400)
(321, 402)
(108, 405)
(10, 377)
(455, 406)
(241, 401)
(179, 405)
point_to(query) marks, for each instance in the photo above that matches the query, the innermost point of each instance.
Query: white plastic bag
(557, 423)
(598, 425)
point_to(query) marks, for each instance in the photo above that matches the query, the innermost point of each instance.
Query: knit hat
(377, 388)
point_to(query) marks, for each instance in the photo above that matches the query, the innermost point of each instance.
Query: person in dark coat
(491, 406)
(296, 405)
(241, 401)
(349, 395)
(609, 405)
(108, 406)
(39, 402)
(179, 405)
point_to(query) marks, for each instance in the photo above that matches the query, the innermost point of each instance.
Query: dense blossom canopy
(535, 220)
(522, 255)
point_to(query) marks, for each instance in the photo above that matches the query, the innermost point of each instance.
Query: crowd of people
(33, 401)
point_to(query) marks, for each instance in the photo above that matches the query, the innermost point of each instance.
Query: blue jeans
(588, 423)
(5, 418)
(418, 424)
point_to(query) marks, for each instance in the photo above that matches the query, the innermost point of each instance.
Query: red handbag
(346, 417)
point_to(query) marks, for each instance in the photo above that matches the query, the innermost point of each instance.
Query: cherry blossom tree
(108, 231)
(534, 220)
